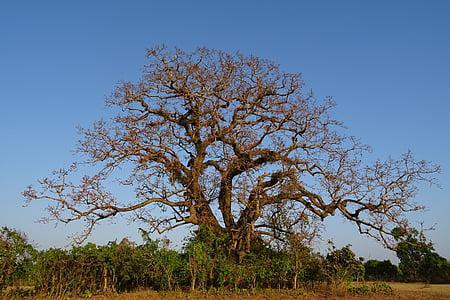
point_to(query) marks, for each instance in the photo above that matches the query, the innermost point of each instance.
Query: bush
(382, 288)
(380, 270)
(16, 257)
(360, 289)
(342, 265)
(92, 269)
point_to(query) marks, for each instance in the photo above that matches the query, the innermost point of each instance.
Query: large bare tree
(229, 142)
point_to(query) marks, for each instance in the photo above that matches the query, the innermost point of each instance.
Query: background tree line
(204, 264)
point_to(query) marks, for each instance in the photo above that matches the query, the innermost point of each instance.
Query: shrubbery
(204, 263)
(16, 257)
(381, 270)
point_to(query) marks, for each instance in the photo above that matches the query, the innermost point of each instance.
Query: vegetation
(16, 257)
(342, 266)
(418, 260)
(204, 264)
(381, 270)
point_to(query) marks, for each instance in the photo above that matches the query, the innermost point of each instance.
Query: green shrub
(16, 257)
(360, 289)
(380, 270)
(382, 288)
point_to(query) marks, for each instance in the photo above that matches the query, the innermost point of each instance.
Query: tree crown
(231, 142)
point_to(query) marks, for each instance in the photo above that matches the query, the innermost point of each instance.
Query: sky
(385, 63)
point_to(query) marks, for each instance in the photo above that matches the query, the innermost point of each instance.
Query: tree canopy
(233, 143)
(418, 259)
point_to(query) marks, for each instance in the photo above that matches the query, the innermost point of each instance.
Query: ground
(401, 291)
(406, 291)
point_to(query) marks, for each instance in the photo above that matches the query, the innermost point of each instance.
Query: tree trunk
(193, 282)
(105, 280)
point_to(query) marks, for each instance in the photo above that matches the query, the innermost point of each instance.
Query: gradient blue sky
(386, 63)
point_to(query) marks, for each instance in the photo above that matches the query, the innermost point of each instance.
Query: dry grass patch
(401, 291)
(423, 290)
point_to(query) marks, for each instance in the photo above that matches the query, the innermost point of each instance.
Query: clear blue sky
(386, 63)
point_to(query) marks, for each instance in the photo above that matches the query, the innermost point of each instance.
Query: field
(402, 291)
(406, 291)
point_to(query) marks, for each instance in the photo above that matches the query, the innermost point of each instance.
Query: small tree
(16, 255)
(207, 253)
(300, 256)
(54, 272)
(343, 266)
(418, 261)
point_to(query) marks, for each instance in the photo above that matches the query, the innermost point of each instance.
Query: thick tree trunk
(206, 218)
(225, 201)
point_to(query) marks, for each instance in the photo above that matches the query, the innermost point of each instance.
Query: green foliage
(16, 257)
(375, 288)
(211, 264)
(92, 269)
(382, 288)
(343, 266)
(171, 266)
(209, 260)
(380, 270)
(359, 289)
(205, 263)
(418, 261)
(305, 266)
(54, 271)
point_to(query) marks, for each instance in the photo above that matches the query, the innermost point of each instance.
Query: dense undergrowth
(204, 264)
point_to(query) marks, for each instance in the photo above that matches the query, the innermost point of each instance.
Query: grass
(401, 291)
(422, 290)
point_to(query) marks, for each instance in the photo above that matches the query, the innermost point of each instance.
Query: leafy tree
(418, 260)
(300, 257)
(343, 266)
(16, 255)
(380, 270)
(54, 272)
(171, 264)
(207, 254)
(229, 142)
(126, 265)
